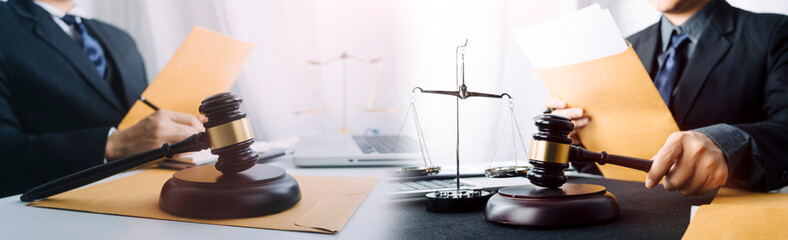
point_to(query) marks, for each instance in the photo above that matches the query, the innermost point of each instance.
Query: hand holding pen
(163, 126)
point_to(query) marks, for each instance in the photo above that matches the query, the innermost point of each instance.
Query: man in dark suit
(723, 72)
(65, 82)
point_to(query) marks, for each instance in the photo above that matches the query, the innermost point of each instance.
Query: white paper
(206, 157)
(693, 210)
(587, 34)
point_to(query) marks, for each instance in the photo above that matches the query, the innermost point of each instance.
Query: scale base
(204, 192)
(457, 201)
(570, 205)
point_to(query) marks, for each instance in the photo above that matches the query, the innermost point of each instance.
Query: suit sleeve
(28, 160)
(757, 153)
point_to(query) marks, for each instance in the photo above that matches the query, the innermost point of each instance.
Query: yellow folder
(206, 63)
(327, 203)
(628, 116)
(738, 214)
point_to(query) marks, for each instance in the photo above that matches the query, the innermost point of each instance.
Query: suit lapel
(647, 49)
(52, 34)
(712, 47)
(111, 49)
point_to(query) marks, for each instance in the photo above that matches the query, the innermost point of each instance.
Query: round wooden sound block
(204, 192)
(533, 206)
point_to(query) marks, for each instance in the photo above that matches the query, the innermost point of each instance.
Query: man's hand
(163, 126)
(691, 164)
(577, 116)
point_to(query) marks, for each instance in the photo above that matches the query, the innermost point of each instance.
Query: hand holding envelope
(583, 60)
(205, 64)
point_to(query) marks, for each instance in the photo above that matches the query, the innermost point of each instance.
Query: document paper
(738, 214)
(327, 203)
(583, 59)
(205, 64)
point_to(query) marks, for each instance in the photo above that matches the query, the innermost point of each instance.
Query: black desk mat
(645, 214)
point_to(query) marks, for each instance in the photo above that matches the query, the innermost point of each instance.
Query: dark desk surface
(645, 214)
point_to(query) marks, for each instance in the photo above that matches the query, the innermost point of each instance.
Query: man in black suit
(723, 72)
(65, 82)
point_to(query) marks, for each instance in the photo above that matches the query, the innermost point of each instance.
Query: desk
(20, 222)
(645, 214)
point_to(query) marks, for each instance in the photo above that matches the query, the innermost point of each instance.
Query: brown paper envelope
(628, 117)
(206, 63)
(738, 222)
(323, 215)
(326, 202)
(728, 196)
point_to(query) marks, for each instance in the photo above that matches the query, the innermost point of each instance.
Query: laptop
(345, 150)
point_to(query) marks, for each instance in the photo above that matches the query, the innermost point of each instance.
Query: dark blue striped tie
(669, 71)
(90, 46)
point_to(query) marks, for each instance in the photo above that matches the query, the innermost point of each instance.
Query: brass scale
(458, 194)
(447, 201)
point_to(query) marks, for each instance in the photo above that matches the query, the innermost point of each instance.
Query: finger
(581, 122)
(691, 160)
(178, 132)
(715, 180)
(186, 119)
(680, 173)
(709, 185)
(202, 118)
(663, 161)
(554, 103)
(571, 113)
(697, 180)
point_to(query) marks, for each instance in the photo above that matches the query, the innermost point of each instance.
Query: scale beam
(462, 94)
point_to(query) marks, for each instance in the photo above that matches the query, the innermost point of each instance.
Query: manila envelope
(737, 197)
(205, 64)
(723, 221)
(327, 203)
(628, 117)
(739, 214)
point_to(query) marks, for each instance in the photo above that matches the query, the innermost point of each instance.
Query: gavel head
(549, 153)
(229, 132)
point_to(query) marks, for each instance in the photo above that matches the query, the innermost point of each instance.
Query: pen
(149, 103)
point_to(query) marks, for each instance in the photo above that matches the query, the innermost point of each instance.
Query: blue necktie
(90, 46)
(669, 71)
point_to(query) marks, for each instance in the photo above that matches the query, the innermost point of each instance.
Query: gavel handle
(578, 154)
(87, 176)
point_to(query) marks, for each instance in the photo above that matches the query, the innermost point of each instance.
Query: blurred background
(415, 39)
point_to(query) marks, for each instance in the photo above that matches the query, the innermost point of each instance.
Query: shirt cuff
(733, 141)
(112, 130)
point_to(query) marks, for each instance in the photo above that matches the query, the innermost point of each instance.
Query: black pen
(149, 103)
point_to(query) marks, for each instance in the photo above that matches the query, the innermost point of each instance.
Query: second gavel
(552, 151)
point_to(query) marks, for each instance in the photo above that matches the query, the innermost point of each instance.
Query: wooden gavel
(552, 150)
(228, 134)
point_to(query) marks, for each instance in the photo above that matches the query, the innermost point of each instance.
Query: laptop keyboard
(433, 184)
(385, 144)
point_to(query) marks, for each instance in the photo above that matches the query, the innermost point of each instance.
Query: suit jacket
(734, 89)
(55, 109)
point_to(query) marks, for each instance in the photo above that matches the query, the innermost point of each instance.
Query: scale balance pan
(506, 171)
(457, 201)
(571, 205)
(414, 171)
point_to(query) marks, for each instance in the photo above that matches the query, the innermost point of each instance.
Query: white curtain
(415, 39)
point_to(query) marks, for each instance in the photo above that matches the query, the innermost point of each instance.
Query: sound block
(533, 206)
(204, 192)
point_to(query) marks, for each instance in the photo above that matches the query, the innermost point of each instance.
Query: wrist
(110, 152)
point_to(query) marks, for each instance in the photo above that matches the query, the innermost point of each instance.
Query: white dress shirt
(57, 14)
